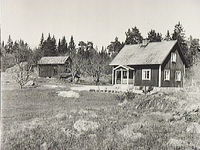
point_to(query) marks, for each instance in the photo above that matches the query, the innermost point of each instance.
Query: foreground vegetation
(39, 119)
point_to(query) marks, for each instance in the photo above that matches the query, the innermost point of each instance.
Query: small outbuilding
(158, 64)
(54, 66)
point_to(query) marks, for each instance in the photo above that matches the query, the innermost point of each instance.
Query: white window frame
(173, 57)
(176, 76)
(144, 74)
(166, 75)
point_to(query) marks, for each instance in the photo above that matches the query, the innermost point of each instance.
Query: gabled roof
(53, 60)
(153, 53)
(124, 66)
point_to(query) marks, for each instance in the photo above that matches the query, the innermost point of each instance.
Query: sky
(99, 21)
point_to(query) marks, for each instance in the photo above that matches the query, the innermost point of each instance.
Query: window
(173, 57)
(166, 74)
(178, 76)
(146, 74)
(124, 74)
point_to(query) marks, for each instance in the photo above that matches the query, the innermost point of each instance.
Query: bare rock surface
(176, 143)
(128, 132)
(71, 94)
(193, 127)
(192, 107)
(123, 103)
(88, 113)
(29, 83)
(160, 116)
(44, 146)
(84, 125)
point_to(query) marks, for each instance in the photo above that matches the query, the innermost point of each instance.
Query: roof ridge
(153, 53)
(53, 60)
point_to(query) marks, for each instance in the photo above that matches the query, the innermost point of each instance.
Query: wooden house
(54, 66)
(158, 64)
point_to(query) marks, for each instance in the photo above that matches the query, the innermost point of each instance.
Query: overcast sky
(99, 21)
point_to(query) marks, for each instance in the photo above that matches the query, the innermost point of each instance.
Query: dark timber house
(54, 66)
(158, 64)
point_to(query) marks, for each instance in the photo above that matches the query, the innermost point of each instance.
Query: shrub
(157, 102)
(128, 95)
(120, 97)
(147, 89)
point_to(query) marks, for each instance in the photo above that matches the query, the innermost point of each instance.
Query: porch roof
(124, 66)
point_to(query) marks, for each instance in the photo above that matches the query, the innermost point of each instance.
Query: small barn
(158, 64)
(54, 66)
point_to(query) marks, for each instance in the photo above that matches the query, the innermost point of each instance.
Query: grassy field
(22, 107)
(37, 118)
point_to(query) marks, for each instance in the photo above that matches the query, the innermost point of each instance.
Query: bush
(157, 102)
(147, 89)
(128, 95)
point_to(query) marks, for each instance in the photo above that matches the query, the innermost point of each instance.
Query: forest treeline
(87, 59)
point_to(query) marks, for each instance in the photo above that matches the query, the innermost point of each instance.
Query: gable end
(174, 48)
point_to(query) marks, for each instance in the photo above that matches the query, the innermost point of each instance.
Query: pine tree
(104, 55)
(167, 36)
(179, 33)
(159, 37)
(49, 46)
(63, 46)
(21, 51)
(42, 40)
(90, 45)
(154, 37)
(115, 47)
(59, 48)
(39, 52)
(194, 50)
(88, 53)
(133, 36)
(54, 46)
(82, 46)
(9, 45)
(71, 47)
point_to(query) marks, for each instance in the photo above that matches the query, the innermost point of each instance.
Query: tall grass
(153, 113)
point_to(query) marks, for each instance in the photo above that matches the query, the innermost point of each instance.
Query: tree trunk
(97, 79)
(21, 86)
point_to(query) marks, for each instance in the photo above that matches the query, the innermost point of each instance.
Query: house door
(118, 77)
(55, 71)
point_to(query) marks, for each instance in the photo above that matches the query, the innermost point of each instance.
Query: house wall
(52, 69)
(138, 75)
(173, 67)
(49, 70)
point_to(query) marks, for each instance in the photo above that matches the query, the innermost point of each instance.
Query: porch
(123, 75)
